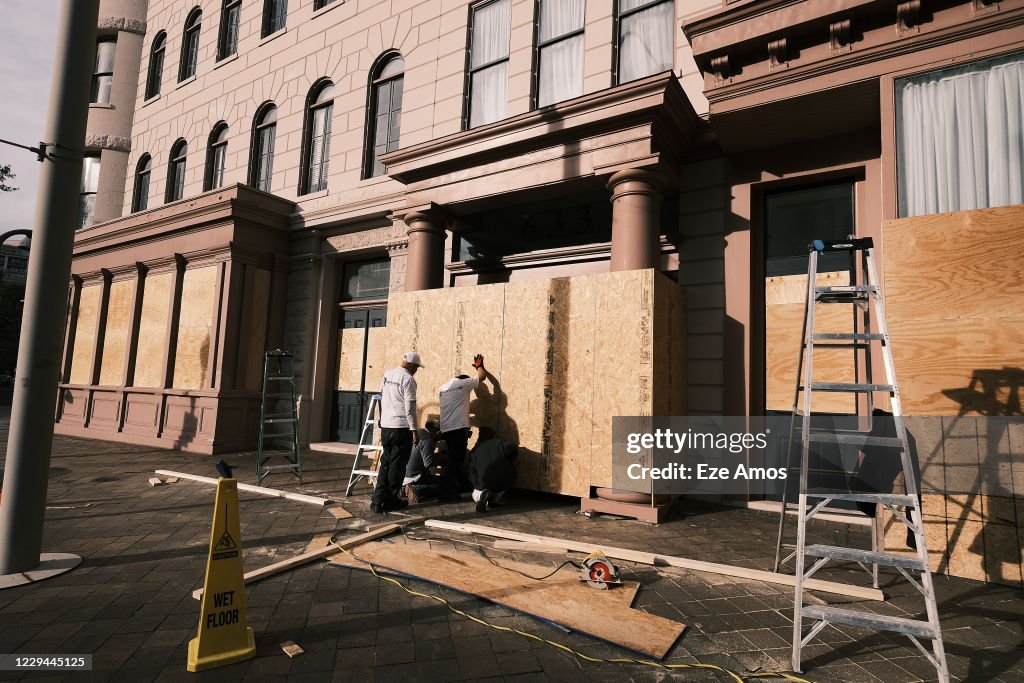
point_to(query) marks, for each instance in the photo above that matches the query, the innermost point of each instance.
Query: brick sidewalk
(130, 604)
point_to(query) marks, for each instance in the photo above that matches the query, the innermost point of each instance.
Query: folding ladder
(366, 446)
(868, 299)
(278, 384)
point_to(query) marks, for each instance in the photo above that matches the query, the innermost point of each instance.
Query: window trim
(87, 193)
(193, 26)
(140, 202)
(538, 46)
(467, 90)
(307, 134)
(254, 147)
(179, 153)
(155, 77)
(98, 74)
(370, 131)
(211, 155)
(222, 33)
(320, 4)
(617, 33)
(265, 29)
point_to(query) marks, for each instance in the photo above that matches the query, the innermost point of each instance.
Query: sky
(27, 32)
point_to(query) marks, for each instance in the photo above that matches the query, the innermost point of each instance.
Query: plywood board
(195, 327)
(152, 338)
(253, 333)
(350, 360)
(477, 322)
(85, 334)
(376, 357)
(669, 348)
(562, 599)
(115, 337)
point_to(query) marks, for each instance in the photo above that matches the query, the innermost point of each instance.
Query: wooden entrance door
(361, 361)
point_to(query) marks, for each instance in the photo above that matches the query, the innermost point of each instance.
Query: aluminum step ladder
(278, 387)
(366, 447)
(905, 507)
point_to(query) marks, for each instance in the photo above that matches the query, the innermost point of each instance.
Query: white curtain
(646, 40)
(960, 137)
(561, 63)
(491, 27)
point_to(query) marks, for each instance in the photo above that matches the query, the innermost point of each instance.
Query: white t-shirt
(454, 400)
(398, 399)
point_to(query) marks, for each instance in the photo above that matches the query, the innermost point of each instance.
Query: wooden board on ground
(664, 560)
(504, 544)
(338, 512)
(262, 490)
(562, 599)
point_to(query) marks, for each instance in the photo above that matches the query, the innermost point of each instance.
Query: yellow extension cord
(739, 678)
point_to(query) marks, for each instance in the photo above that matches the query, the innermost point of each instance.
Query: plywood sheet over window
(253, 334)
(115, 339)
(152, 343)
(195, 327)
(350, 360)
(85, 334)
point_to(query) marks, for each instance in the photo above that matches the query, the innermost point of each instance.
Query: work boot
(377, 508)
(481, 505)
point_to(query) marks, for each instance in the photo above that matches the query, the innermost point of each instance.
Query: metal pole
(27, 469)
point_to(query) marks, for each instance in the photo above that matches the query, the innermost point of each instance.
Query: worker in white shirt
(398, 432)
(454, 401)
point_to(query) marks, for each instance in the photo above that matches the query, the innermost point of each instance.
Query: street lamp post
(23, 505)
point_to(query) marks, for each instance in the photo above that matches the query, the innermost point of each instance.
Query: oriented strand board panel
(85, 334)
(152, 339)
(477, 321)
(350, 359)
(115, 339)
(376, 357)
(670, 348)
(563, 599)
(785, 298)
(195, 327)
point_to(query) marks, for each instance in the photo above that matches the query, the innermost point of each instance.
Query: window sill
(100, 105)
(313, 195)
(276, 34)
(151, 100)
(327, 8)
(187, 81)
(227, 60)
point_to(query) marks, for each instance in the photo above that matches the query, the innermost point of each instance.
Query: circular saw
(599, 572)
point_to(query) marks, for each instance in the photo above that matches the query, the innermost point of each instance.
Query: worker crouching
(492, 469)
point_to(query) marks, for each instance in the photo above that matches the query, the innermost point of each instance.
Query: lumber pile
(567, 354)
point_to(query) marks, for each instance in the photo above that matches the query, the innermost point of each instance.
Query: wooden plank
(156, 306)
(85, 334)
(195, 327)
(527, 546)
(339, 512)
(304, 558)
(115, 335)
(350, 360)
(562, 599)
(301, 497)
(669, 560)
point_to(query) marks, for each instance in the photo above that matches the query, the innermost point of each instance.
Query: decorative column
(425, 259)
(636, 218)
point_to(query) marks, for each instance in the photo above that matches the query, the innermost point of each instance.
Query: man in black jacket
(492, 469)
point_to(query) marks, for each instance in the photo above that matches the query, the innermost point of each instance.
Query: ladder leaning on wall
(278, 387)
(867, 296)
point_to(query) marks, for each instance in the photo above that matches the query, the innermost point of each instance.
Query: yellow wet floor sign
(224, 635)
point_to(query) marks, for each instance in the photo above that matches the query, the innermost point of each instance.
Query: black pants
(397, 447)
(452, 472)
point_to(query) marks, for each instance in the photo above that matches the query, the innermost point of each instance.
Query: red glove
(478, 361)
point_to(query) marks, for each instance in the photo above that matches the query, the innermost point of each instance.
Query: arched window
(176, 172)
(140, 195)
(317, 147)
(230, 14)
(274, 13)
(216, 156)
(261, 167)
(384, 112)
(645, 40)
(190, 45)
(156, 65)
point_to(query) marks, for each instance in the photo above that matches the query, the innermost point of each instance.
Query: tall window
(559, 51)
(274, 13)
(960, 137)
(262, 167)
(646, 38)
(176, 172)
(216, 157)
(156, 65)
(230, 14)
(385, 108)
(87, 193)
(103, 72)
(140, 195)
(190, 45)
(321, 3)
(317, 147)
(488, 62)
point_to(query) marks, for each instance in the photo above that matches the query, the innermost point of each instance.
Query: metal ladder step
(280, 378)
(912, 627)
(850, 387)
(865, 556)
(883, 498)
(365, 473)
(855, 439)
(846, 336)
(279, 420)
(845, 289)
(369, 449)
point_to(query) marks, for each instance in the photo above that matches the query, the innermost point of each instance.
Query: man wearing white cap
(398, 432)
